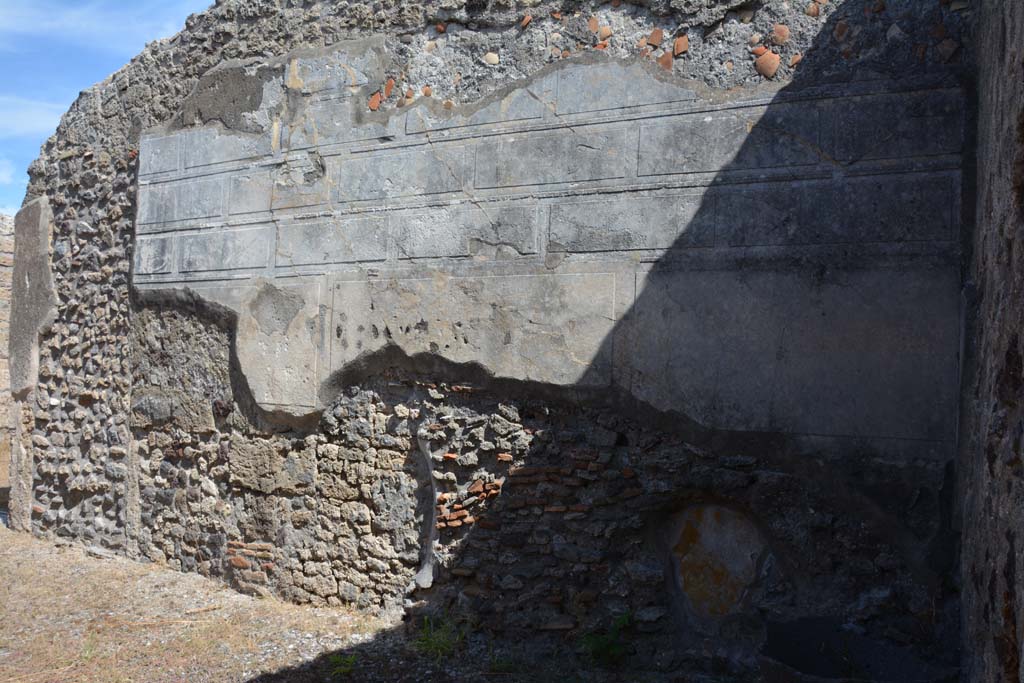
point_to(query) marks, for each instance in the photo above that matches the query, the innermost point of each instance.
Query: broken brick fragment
(375, 101)
(767, 64)
(526, 21)
(238, 562)
(657, 35)
(681, 45)
(389, 86)
(780, 34)
(665, 61)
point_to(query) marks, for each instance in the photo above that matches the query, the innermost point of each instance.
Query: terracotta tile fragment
(681, 45)
(389, 86)
(427, 91)
(767, 64)
(441, 28)
(665, 61)
(780, 34)
(657, 35)
(593, 25)
(605, 33)
(795, 59)
(375, 101)
(409, 94)
(526, 21)
(603, 45)
(813, 10)
(642, 43)
(759, 50)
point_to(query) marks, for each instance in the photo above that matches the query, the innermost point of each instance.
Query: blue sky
(50, 50)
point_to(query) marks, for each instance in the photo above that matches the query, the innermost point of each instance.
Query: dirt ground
(67, 617)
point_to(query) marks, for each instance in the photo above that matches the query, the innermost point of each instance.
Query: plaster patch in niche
(716, 558)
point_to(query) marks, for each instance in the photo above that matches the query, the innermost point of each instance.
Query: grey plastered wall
(781, 261)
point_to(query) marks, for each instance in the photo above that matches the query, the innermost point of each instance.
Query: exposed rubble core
(532, 315)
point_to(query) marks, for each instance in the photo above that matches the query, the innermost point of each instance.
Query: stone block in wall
(271, 466)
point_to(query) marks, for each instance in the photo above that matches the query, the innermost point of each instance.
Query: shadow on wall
(604, 535)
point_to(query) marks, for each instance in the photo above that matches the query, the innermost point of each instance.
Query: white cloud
(111, 25)
(21, 117)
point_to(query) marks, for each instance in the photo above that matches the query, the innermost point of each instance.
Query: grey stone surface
(546, 328)
(789, 351)
(460, 232)
(33, 293)
(645, 222)
(484, 237)
(602, 87)
(154, 256)
(573, 154)
(33, 310)
(343, 241)
(402, 174)
(248, 247)
(783, 135)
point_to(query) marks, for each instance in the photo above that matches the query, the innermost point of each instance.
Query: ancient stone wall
(522, 318)
(6, 261)
(991, 465)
